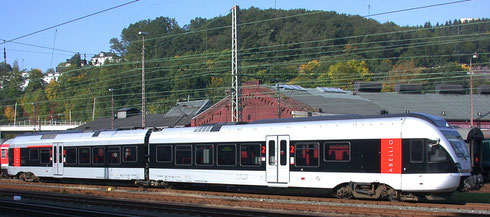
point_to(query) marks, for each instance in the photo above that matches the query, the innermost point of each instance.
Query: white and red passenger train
(386, 156)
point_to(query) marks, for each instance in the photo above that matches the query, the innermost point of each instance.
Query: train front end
(463, 161)
(441, 162)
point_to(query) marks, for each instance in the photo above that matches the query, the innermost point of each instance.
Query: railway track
(277, 204)
(81, 205)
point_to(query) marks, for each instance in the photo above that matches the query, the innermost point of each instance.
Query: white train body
(413, 153)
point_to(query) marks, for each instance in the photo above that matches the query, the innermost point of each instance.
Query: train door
(57, 157)
(277, 160)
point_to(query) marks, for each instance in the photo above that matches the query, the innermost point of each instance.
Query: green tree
(307, 74)
(345, 74)
(405, 73)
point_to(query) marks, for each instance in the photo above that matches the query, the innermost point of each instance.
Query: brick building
(258, 102)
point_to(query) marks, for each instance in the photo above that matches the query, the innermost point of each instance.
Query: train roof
(437, 121)
(76, 134)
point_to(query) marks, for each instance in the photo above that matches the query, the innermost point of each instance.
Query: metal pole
(278, 102)
(471, 88)
(112, 108)
(15, 113)
(236, 108)
(471, 94)
(143, 99)
(93, 111)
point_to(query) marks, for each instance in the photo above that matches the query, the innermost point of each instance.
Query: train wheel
(22, 177)
(393, 195)
(344, 192)
(30, 177)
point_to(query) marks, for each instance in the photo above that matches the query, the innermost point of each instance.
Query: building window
(416, 151)
(183, 155)
(227, 155)
(71, 155)
(114, 154)
(164, 154)
(98, 155)
(45, 155)
(250, 155)
(337, 151)
(307, 154)
(130, 154)
(84, 155)
(204, 155)
(33, 154)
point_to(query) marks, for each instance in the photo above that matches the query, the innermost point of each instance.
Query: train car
(385, 156)
(365, 157)
(478, 141)
(4, 161)
(115, 155)
(486, 152)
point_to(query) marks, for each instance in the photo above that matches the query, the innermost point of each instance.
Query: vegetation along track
(243, 204)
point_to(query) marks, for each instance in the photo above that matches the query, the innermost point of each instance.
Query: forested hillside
(308, 48)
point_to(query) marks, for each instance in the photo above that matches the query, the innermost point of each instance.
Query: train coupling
(470, 183)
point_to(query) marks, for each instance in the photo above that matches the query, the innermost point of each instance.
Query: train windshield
(458, 144)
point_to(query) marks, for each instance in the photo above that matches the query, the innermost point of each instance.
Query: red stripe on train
(391, 156)
(16, 157)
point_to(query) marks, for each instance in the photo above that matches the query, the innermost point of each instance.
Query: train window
(204, 155)
(283, 152)
(33, 154)
(307, 154)
(3, 154)
(337, 151)
(114, 154)
(416, 151)
(164, 154)
(54, 155)
(45, 155)
(437, 154)
(272, 152)
(227, 155)
(250, 154)
(183, 155)
(60, 155)
(130, 154)
(84, 155)
(98, 155)
(71, 155)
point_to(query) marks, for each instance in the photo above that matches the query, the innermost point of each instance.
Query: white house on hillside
(102, 57)
(51, 76)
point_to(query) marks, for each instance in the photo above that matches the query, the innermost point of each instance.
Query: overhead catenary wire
(289, 44)
(70, 21)
(302, 60)
(169, 79)
(380, 75)
(383, 48)
(259, 66)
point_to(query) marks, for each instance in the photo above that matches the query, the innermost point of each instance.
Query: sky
(91, 35)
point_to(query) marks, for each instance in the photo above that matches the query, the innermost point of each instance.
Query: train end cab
(4, 159)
